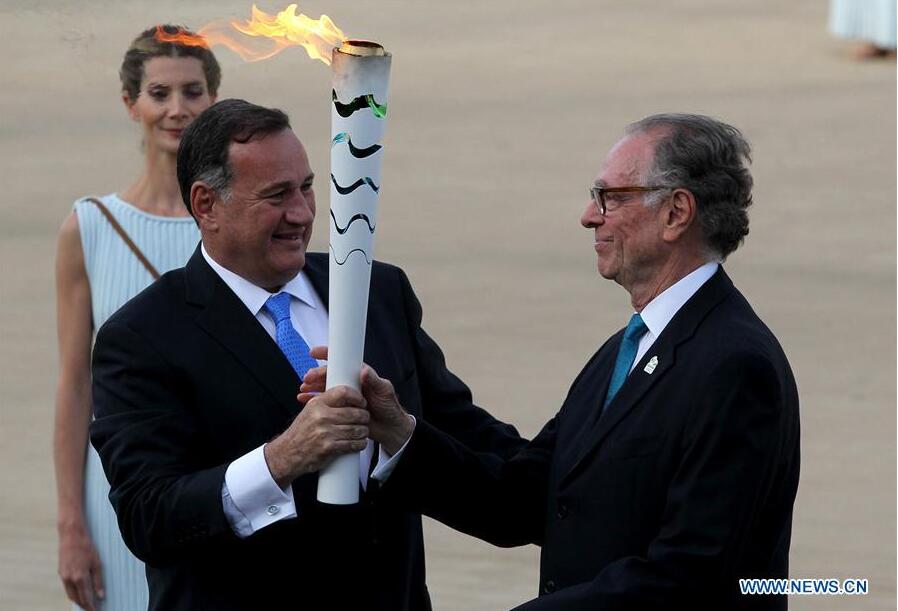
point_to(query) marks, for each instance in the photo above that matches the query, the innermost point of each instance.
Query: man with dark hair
(211, 458)
(204, 156)
(671, 469)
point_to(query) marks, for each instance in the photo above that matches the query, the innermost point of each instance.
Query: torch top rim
(362, 48)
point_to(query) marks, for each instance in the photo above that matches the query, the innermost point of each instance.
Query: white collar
(254, 297)
(662, 308)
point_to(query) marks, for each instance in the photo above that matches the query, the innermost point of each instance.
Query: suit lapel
(638, 383)
(316, 269)
(681, 327)
(227, 321)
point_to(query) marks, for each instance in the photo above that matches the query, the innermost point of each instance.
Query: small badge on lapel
(652, 364)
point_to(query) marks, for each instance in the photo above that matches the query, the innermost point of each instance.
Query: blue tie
(635, 329)
(289, 341)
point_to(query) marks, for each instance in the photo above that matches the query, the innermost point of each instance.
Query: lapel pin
(652, 364)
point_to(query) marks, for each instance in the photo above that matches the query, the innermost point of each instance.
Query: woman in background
(109, 249)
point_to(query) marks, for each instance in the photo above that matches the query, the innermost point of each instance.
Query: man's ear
(202, 202)
(680, 212)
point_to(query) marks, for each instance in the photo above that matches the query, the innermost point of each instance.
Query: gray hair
(710, 159)
(219, 180)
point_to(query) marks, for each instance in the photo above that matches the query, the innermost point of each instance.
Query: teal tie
(635, 330)
(289, 341)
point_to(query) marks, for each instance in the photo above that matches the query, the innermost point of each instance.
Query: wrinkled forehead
(277, 155)
(628, 161)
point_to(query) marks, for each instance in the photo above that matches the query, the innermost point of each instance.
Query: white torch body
(360, 86)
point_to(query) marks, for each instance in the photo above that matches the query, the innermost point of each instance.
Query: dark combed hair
(147, 46)
(710, 159)
(203, 153)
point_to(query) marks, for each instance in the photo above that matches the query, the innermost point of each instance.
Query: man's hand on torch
(331, 423)
(390, 425)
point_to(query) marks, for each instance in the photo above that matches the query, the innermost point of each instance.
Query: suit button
(549, 587)
(562, 511)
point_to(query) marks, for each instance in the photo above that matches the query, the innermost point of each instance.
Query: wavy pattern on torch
(361, 181)
(357, 217)
(356, 152)
(339, 262)
(360, 103)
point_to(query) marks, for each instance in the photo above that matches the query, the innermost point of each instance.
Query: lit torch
(361, 74)
(361, 79)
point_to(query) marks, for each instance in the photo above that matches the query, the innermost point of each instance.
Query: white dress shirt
(251, 498)
(660, 310)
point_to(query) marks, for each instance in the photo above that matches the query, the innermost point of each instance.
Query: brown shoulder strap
(128, 241)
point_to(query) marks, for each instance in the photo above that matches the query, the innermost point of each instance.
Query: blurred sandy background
(500, 115)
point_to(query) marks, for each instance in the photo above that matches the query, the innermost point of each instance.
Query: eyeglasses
(612, 198)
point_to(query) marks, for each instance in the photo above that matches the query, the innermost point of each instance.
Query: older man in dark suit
(671, 469)
(211, 458)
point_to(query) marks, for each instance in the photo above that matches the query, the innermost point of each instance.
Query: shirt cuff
(385, 462)
(251, 498)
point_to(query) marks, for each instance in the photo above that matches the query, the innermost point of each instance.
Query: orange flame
(266, 35)
(180, 37)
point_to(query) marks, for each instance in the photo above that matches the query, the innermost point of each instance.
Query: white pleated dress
(116, 275)
(868, 20)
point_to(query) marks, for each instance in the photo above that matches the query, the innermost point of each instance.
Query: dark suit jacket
(684, 485)
(186, 380)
